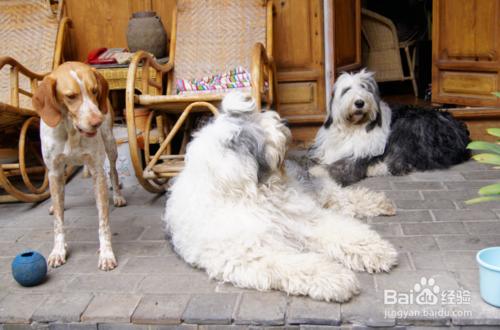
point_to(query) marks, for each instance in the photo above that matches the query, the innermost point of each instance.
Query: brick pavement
(436, 233)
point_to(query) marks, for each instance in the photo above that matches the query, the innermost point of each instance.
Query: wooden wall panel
(466, 52)
(104, 23)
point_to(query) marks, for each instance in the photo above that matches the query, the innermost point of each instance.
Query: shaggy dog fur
(234, 212)
(363, 137)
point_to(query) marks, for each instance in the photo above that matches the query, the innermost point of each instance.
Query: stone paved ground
(436, 234)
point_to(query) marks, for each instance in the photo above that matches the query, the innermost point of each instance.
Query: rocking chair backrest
(215, 36)
(28, 34)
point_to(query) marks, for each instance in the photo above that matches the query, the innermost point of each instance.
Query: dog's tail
(238, 102)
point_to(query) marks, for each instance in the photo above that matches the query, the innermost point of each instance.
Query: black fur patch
(372, 86)
(376, 122)
(347, 171)
(328, 121)
(246, 142)
(425, 139)
(345, 90)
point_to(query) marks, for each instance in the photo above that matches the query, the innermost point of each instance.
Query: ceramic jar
(146, 32)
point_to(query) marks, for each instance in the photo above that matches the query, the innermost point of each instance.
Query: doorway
(397, 45)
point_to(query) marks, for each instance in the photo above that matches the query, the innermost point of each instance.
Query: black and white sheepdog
(236, 212)
(363, 137)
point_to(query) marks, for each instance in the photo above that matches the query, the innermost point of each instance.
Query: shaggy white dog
(354, 102)
(234, 212)
(363, 137)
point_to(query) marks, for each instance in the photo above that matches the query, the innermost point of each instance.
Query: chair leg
(411, 68)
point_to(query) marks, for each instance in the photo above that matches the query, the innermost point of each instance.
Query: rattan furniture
(33, 34)
(208, 37)
(383, 54)
(117, 77)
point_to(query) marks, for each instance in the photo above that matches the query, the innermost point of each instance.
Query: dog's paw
(373, 256)
(386, 207)
(383, 258)
(318, 171)
(107, 261)
(57, 258)
(372, 203)
(119, 200)
(86, 172)
(334, 286)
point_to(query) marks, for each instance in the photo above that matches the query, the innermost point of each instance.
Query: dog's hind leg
(353, 244)
(308, 274)
(112, 152)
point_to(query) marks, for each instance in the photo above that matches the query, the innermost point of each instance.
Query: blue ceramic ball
(29, 268)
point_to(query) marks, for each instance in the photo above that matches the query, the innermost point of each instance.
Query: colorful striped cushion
(236, 78)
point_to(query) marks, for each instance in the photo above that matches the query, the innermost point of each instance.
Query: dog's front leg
(367, 203)
(56, 185)
(351, 201)
(107, 260)
(353, 244)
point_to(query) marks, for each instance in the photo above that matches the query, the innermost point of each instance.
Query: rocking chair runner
(208, 37)
(32, 34)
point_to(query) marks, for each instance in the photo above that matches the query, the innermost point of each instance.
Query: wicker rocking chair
(33, 34)
(208, 37)
(384, 56)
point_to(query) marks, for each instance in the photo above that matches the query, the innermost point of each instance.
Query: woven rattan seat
(208, 37)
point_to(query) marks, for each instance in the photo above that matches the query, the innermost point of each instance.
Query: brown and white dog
(76, 129)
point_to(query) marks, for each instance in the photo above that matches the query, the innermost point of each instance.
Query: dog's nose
(359, 103)
(95, 121)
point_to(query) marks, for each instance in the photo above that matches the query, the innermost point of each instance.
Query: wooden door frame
(329, 35)
(329, 42)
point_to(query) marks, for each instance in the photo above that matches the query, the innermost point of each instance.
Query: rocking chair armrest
(263, 70)
(7, 60)
(141, 56)
(143, 61)
(17, 69)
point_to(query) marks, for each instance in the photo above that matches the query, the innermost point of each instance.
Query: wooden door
(346, 35)
(299, 55)
(465, 52)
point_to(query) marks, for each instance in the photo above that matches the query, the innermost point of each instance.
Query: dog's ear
(45, 102)
(102, 97)
(330, 105)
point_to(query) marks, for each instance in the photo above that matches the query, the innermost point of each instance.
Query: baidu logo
(427, 292)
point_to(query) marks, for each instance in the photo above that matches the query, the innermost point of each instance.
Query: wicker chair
(33, 34)
(383, 56)
(208, 37)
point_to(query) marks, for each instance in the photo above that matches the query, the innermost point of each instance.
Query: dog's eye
(70, 96)
(95, 90)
